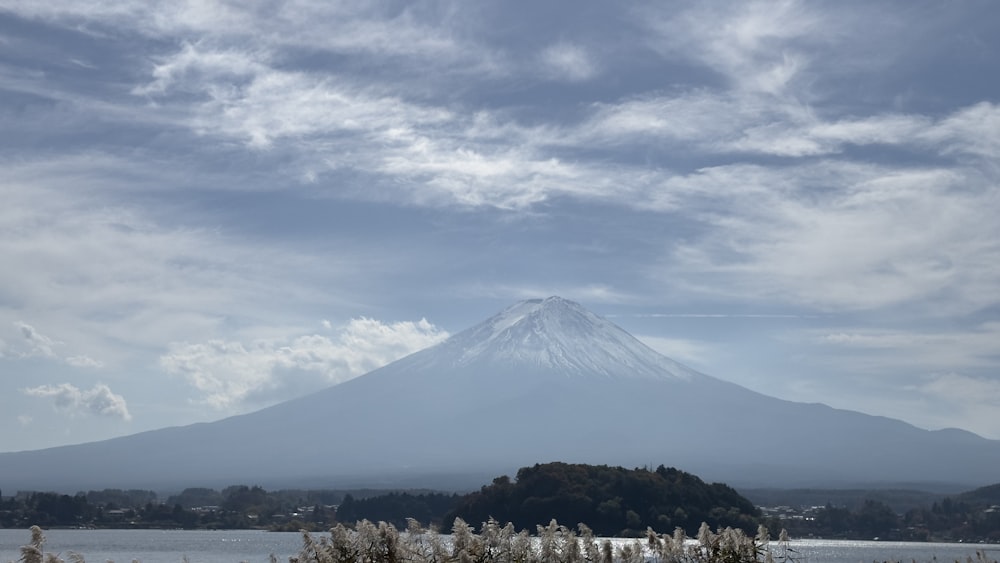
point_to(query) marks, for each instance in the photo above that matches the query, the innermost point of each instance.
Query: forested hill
(612, 501)
(982, 497)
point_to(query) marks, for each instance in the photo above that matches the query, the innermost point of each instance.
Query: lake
(172, 546)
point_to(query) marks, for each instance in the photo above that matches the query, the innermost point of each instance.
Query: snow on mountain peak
(555, 333)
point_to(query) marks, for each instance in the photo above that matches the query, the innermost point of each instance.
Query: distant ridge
(543, 380)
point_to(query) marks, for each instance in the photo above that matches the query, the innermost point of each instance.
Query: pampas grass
(367, 542)
(381, 543)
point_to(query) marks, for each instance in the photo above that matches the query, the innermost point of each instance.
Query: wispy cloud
(37, 344)
(99, 400)
(917, 350)
(750, 44)
(84, 362)
(245, 97)
(343, 26)
(566, 61)
(972, 131)
(101, 254)
(843, 235)
(684, 350)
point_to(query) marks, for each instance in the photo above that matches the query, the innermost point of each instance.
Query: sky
(208, 207)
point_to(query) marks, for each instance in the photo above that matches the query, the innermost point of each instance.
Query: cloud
(40, 345)
(743, 124)
(193, 64)
(345, 27)
(84, 362)
(566, 61)
(437, 154)
(98, 400)
(428, 154)
(750, 44)
(687, 351)
(856, 224)
(119, 276)
(843, 235)
(973, 130)
(229, 373)
(37, 343)
(961, 349)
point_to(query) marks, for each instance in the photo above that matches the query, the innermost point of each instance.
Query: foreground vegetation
(383, 543)
(553, 543)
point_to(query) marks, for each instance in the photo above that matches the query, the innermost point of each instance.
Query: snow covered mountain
(543, 380)
(553, 335)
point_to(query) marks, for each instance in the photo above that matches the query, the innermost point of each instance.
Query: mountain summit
(543, 380)
(562, 336)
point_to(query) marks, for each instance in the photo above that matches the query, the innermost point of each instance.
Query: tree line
(949, 520)
(235, 507)
(613, 501)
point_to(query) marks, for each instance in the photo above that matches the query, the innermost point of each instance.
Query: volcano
(543, 380)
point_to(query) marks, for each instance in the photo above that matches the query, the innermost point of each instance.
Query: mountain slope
(543, 380)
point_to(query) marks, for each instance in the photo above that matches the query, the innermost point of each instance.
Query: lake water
(172, 546)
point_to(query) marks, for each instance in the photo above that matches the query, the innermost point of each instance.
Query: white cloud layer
(228, 373)
(99, 400)
(839, 232)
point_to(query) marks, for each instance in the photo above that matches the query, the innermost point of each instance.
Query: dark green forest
(612, 501)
